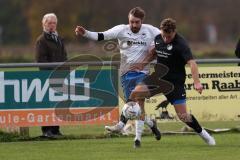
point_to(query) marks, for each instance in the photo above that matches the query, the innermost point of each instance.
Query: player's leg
(138, 95)
(141, 92)
(178, 99)
(147, 120)
(189, 119)
(128, 84)
(151, 85)
(139, 79)
(192, 122)
(151, 123)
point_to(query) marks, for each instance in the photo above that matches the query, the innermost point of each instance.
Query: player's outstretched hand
(198, 87)
(80, 31)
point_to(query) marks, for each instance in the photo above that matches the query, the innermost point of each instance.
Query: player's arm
(195, 75)
(99, 36)
(149, 58)
(81, 31)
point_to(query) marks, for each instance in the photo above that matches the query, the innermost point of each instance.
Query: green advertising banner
(42, 92)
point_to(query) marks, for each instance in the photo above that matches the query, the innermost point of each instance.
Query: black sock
(123, 119)
(194, 124)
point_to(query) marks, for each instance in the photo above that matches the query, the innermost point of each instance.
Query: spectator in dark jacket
(50, 48)
(237, 51)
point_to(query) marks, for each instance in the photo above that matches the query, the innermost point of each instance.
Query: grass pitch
(170, 147)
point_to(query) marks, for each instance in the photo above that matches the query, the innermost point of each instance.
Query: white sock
(148, 121)
(139, 129)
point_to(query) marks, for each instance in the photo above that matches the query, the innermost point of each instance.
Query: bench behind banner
(41, 98)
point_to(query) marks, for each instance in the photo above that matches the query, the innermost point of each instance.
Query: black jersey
(174, 55)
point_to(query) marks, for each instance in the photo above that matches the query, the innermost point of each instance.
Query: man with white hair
(50, 48)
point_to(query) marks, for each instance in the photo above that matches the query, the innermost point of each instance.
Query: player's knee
(140, 91)
(184, 117)
(141, 88)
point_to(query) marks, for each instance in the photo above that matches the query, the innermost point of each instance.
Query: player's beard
(135, 29)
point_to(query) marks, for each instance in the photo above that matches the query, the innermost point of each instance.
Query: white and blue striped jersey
(133, 46)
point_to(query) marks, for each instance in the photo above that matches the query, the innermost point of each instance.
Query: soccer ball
(131, 110)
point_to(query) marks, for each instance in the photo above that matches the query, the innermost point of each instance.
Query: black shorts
(174, 91)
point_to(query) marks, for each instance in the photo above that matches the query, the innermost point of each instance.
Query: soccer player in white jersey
(134, 40)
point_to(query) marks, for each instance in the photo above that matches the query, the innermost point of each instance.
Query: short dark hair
(137, 12)
(168, 25)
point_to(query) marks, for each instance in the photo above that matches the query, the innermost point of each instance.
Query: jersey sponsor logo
(169, 47)
(162, 54)
(130, 43)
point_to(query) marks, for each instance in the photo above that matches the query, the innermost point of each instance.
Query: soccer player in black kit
(172, 53)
